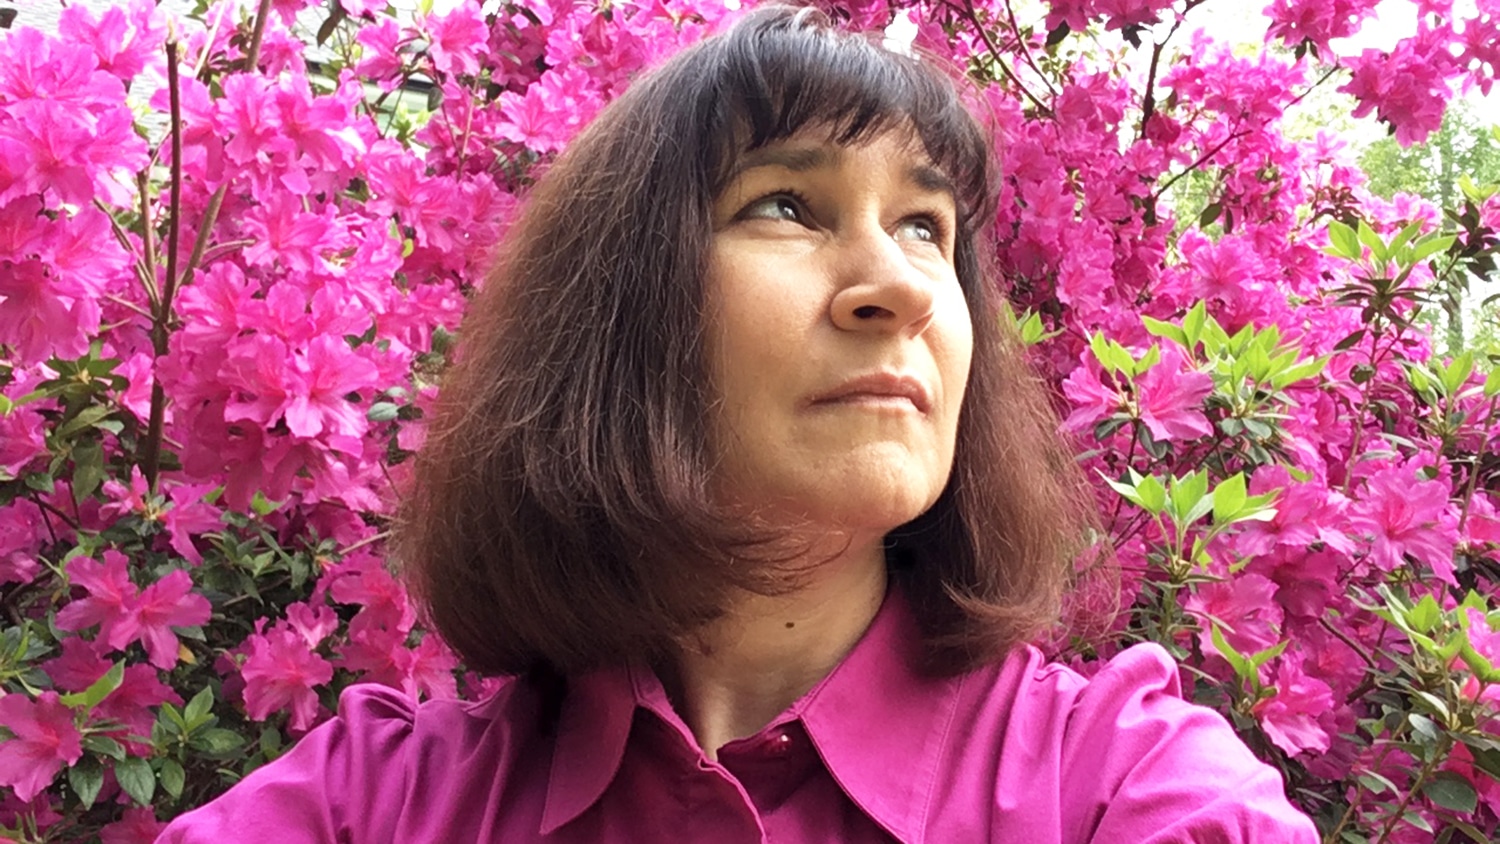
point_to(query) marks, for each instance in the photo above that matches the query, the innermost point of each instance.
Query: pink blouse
(1019, 752)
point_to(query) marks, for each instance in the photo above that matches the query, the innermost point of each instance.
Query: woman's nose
(880, 289)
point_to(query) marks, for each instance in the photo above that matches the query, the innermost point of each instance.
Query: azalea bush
(235, 248)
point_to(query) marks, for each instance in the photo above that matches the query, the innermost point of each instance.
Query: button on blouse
(1018, 752)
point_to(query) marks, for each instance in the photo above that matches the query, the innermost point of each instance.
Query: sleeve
(1146, 766)
(330, 787)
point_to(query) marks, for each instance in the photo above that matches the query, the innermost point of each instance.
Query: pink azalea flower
(380, 43)
(1294, 22)
(126, 500)
(331, 371)
(1290, 717)
(1305, 513)
(282, 672)
(134, 705)
(40, 315)
(112, 602)
(1244, 610)
(22, 439)
(286, 235)
(1092, 400)
(1406, 88)
(1171, 398)
(77, 667)
(167, 603)
(125, 38)
(313, 624)
(44, 740)
(137, 826)
(20, 540)
(189, 516)
(456, 38)
(1402, 515)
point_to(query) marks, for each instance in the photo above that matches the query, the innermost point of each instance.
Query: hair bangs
(793, 72)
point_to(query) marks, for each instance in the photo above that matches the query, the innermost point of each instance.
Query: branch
(211, 213)
(150, 457)
(1202, 159)
(984, 35)
(1025, 48)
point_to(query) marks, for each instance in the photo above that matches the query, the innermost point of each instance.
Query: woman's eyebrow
(796, 159)
(930, 179)
(926, 177)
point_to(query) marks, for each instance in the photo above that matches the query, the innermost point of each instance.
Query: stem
(989, 43)
(1148, 103)
(1364, 407)
(463, 144)
(1025, 48)
(369, 540)
(162, 318)
(211, 213)
(1344, 820)
(1400, 811)
(148, 239)
(1354, 646)
(44, 507)
(56, 511)
(1484, 435)
(130, 306)
(252, 53)
(213, 34)
(1202, 159)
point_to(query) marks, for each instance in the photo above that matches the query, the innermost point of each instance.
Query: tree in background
(1461, 148)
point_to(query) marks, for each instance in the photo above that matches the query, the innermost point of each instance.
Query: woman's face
(841, 339)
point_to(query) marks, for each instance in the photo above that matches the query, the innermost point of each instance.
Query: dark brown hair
(560, 517)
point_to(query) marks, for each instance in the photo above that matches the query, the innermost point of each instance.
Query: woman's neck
(744, 669)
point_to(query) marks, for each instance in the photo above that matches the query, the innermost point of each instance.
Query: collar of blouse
(883, 748)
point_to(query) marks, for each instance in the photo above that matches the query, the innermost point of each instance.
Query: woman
(737, 476)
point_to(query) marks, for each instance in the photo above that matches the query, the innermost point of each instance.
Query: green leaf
(1492, 384)
(135, 776)
(1423, 727)
(88, 469)
(1242, 666)
(1229, 498)
(1457, 372)
(218, 740)
(1431, 245)
(1100, 347)
(1405, 235)
(104, 746)
(1452, 792)
(86, 418)
(1166, 329)
(99, 690)
(382, 411)
(1260, 658)
(85, 778)
(1192, 323)
(263, 506)
(1369, 238)
(172, 777)
(1344, 242)
(197, 710)
(1424, 617)
(1190, 499)
(1153, 496)
(1434, 703)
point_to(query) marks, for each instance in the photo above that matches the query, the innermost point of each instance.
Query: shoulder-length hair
(561, 517)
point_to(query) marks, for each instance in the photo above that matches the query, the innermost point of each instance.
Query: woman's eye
(774, 208)
(919, 228)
